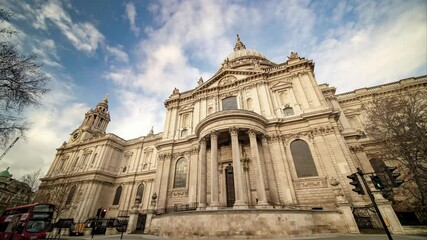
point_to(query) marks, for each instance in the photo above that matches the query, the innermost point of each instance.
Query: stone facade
(257, 143)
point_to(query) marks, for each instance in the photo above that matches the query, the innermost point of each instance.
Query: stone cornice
(413, 82)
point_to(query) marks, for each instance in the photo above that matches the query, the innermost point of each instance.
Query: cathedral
(258, 149)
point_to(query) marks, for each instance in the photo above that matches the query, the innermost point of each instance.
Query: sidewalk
(324, 237)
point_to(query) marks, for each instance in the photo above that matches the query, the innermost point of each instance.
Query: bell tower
(94, 124)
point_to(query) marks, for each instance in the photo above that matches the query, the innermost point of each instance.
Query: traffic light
(356, 183)
(103, 212)
(393, 176)
(376, 180)
(98, 212)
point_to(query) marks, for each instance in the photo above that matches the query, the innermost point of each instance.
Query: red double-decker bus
(26, 222)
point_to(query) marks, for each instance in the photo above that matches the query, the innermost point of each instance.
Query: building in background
(258, 149)
(13, 192)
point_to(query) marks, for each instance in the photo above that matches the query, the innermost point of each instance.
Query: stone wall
(260, 223)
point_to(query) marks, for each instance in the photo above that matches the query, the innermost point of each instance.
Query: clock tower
(94, 124)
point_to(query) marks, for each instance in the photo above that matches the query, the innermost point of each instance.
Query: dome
(5, 173)
(240, 52)
(245, 53)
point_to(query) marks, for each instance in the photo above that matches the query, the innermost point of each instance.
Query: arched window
(117, 195)
(249, 103)
(139, 193)
(180, 173)
(71, 195)
(303, 160)
(229, 103)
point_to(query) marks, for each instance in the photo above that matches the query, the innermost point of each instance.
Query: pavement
(325, 237)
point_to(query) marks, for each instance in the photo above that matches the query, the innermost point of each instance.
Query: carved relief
(175, 194)
(310, 183)
(227, 80)
(234, 131)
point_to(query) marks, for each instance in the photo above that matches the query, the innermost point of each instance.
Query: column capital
(252, 133)
(202, 140)
(264, 138)
(214, 135)
(234, 131)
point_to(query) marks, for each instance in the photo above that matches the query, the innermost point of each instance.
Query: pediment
(281, 85)
(187, 108)
(225, 78)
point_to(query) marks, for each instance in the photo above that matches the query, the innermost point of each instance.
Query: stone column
(238, 178)
(262, 199)
(202, 175)
(274, 195)
(214, 171)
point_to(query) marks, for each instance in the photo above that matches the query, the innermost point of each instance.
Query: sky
(139, 51)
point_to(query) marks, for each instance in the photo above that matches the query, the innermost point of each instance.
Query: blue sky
(139, 51)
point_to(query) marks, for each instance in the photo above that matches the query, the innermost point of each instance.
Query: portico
(223, 134)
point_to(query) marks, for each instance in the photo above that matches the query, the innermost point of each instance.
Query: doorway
(229, 185)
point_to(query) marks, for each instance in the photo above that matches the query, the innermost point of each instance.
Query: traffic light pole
(368, 190)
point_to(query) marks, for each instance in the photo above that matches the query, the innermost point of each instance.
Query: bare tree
(22, 83)
(62, 193)
(398, 125)
(32, 180)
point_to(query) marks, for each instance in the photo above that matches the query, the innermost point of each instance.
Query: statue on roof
(294, 55)
(200, 82)
(151, 132)
(175, 91)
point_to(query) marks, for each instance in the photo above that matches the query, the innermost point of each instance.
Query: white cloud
(136, 114)
(131, 15)
(83, 36)
(51, 123)
(118, 53)
(372, 52)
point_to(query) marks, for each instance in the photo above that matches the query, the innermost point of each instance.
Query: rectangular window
(229, 103)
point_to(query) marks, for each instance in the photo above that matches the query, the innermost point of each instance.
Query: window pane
(304, 163)
(70, 195)
(117, 196)
(229, 103)
(180, 173)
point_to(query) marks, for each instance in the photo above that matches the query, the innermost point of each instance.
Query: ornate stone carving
(356, 148)
(164, 156)
(182, 193)
(200, 82)
(294, 55)
(234, 131)
(214, 135)
(251, 133)
(310, 183)
(227, 80)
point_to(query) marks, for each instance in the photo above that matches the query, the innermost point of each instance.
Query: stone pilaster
(262, 199)
(238, 178)
(274, 195)
(202, 175)
(214, 170)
